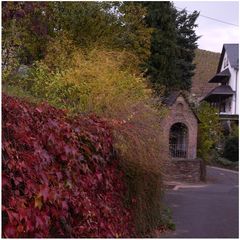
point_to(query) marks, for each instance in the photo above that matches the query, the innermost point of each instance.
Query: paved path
(206, 210)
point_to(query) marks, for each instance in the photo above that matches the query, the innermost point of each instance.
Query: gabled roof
(222, 89)
(172, 97)
(232, 50)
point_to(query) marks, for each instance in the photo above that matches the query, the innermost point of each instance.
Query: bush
(99, 81)
(231, 149)
(108, 83)
(210, 130)
(224, 161)
(59, 176)
(145, 191)
(142, 155)
(49, 86)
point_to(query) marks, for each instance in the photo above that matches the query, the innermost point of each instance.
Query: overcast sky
(214, 34)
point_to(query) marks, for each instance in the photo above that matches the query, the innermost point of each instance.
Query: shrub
(49, 86)
(10, 50)
(210, 130)
(231, 149)
(59, 52)
(142, 155)
(224, 161)
(59, 175)
(108, 83)
(17, 91)
(100, 81)
(145, 191)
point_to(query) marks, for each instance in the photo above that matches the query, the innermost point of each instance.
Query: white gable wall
(237, 91)
(232, 103)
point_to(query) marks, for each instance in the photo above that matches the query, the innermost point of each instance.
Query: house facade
(225, 96)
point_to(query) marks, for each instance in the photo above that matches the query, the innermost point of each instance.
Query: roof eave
(221, 59)
(219, 79)
(216, 97)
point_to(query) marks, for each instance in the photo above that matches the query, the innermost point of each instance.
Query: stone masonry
(184, 170)
(187, 168)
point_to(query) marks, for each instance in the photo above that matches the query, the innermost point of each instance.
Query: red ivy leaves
(59, 178)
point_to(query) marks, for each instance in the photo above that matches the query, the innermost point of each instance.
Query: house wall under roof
(226, 96)
(232, 103)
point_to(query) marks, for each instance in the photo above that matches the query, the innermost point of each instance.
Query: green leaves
(172, 47)
(186, 45)
(210, 129)
(134, 36)
(100, 81)
(161, 64)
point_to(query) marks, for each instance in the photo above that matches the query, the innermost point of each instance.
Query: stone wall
(178, 169)
(186, 116)
(183, 170)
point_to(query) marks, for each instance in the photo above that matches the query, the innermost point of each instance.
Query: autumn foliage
(59, 175)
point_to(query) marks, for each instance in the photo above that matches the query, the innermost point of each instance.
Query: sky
(213, 33)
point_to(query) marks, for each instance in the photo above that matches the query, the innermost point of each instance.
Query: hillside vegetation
(206, 67)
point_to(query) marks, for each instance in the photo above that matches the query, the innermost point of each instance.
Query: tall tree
(135, 35)
(172, 46)
(26, 28)
(87, 22)
(186, 45)
(162, 61)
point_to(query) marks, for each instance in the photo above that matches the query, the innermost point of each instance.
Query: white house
(226, 95)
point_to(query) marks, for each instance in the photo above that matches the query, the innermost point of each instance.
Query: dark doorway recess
(178, 140)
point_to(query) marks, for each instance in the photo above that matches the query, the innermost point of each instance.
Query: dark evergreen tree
(162, 62)
(172, 46)
(186, 45)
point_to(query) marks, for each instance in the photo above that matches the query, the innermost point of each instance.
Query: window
(225, 62)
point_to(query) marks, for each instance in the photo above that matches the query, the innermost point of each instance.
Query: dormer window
(225, 62)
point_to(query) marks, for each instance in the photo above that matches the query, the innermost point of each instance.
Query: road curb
(189, 186)
(177, 185)
(223, 169)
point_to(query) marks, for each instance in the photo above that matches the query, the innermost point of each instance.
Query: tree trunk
(203, 171)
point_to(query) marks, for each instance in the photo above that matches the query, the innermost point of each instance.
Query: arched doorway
(178, 140)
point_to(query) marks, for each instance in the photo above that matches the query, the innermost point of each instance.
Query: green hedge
(231, 149)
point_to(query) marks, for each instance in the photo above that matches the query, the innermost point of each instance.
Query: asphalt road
(206, 210)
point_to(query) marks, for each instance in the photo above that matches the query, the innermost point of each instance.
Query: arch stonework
(188, 118)
(190, 166)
